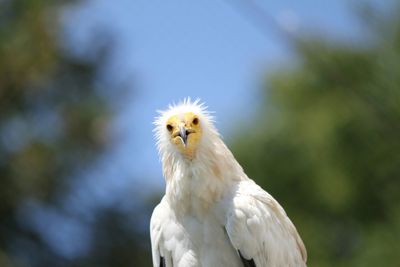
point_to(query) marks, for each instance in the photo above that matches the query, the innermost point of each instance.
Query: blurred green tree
(327, 145)
(53, 123)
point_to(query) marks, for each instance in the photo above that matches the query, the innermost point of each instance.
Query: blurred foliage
(327, 146)
(53, 124)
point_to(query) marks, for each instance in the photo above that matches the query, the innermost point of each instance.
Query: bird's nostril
(187, 132)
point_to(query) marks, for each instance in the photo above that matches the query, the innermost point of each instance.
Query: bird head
(183, 127)
(185, 131)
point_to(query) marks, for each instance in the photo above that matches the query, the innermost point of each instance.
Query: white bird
(212, 214)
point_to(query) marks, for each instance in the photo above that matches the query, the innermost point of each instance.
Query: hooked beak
(184, 134)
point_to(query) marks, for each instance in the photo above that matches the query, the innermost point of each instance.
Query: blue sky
(167, 50)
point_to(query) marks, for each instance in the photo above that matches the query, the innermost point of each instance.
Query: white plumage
(212, 214)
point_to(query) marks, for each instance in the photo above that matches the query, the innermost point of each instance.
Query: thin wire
(255, 15)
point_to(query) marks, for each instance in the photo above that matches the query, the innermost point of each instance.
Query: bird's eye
(195, 121)
(169, 127)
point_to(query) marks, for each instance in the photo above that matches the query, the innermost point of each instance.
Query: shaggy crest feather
(184, 106)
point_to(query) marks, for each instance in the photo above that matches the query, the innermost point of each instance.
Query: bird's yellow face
(185, 132)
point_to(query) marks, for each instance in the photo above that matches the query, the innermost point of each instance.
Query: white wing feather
(259, 228)
(169, 239)
(160, 215)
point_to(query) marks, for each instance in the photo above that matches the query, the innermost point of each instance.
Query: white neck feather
(193, 185)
